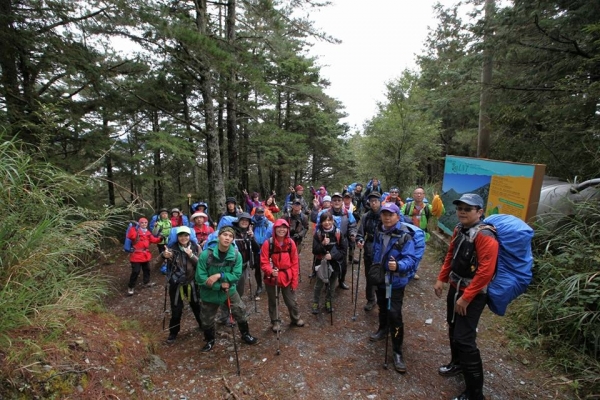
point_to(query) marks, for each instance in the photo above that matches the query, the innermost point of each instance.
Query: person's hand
(167, 253)
(352, 238)
(225, 286)
(274, 273)
(328, 257)
(438, 288)
(188, 251)
(360, 244)
(212, 279)
(273, 193)
(292, 189)
(392, 265)
(461, 306)
(316, 203)
(325, 241)
(245, 192)
(345, 187)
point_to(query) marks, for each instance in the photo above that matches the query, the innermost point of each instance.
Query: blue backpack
(418, 236)
(128, 244)
(515, 261)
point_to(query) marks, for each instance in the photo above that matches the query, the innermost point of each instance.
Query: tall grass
(47, 244)
(561, 310)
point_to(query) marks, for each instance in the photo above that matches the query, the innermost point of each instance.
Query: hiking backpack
(271, 252)
(128, 244)
(515, 260)
(408, 211)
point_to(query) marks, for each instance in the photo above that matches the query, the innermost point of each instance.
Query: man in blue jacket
(394, 249)
(262, 231)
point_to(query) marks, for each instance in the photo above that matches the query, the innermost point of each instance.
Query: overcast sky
(379, 40)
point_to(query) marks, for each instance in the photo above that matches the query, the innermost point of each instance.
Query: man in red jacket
(141, 238)
(279, 264)
(469, 267)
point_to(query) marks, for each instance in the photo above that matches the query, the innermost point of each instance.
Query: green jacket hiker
(230, 268)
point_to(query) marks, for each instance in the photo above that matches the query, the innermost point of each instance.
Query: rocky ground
(122, 354)
(324, 360)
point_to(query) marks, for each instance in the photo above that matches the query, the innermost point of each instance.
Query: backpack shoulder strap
(407, 207)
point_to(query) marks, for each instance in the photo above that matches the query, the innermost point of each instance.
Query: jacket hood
(281, 222)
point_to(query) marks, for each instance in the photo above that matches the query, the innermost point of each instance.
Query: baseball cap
(259, 210)
(374, 194)
(390, 207)
(471, 199)
(336, 194)
(297, 201)
(327, 198)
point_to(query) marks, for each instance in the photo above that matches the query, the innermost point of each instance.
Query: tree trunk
(158, 172)
(232, 156)
(109, 167)
(216, 194)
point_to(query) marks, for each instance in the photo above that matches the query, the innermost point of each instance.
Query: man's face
(375, 182)
(419, 195)
(375, 203)
(336, 203)
(296, 208)
(468, 215)
(225, 239)
(326, 204)
(389, 219)
(358, 189)
(231, 206)
(199, 221)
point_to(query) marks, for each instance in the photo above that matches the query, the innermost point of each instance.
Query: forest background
(217, 97)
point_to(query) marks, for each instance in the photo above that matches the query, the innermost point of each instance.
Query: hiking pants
(239, 287)
(209, 310)
(177, 304)
(289, 298)
(257, 272)
(370, 290)
(463, 331)
(391, 318)
(328, 289)
(135, 271)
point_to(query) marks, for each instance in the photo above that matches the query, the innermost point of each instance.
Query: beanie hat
(299, 187)
(231, 200)
(162, 210)
(226, 229)
(175, 210)
(142, 220)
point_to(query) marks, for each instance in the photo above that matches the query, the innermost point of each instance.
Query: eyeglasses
(393, 191)
(465, 209)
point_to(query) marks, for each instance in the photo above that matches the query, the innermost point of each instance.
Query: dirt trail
(320, 360)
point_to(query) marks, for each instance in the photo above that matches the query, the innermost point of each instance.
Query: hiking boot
(379, 335)
(465, 396)
(149, 284)
(356, 261)
(171, 338)
(130, 291)
(370, 305)
(298, 323)
(315, 308)
(399, 364)
(259, 290)
(311, 276)
(416, 277)
(248, 338)
(450, 369)
(328, 307)
(209, 336)
(344, 286)
(276, 326)
(245, 331)
(208, 346)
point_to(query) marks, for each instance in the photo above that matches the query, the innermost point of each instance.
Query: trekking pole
(312, 268)
(357, 281)
(388, 295)
(249, 276)
(277, 321)
(165, 305)
(232, 322)
(329, 290)
(352, 272)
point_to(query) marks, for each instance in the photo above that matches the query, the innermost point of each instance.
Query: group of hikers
(208, 265)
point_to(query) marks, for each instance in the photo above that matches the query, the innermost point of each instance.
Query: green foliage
(561, 308)
(47, 245)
